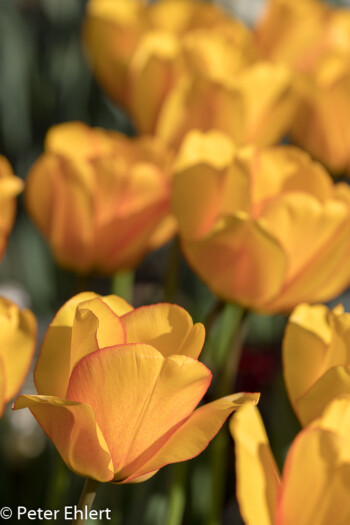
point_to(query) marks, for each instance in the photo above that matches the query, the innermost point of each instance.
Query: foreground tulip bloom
(314, 40)
(10, 187)
(100, 199)
(316, 474)
(118, 387)
(266, 228)
(316, 358)
(17, 347)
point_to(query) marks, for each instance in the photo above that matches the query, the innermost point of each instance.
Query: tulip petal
(118, 304)
(286, 169)
(139, 398)
(111, 32)
(334, 382)
(72, 428)
(239, 261)
(157, 56)
(315, 482)
(205, 187)
(195, 433)
(316, 269)
(269, 116)
(52, 369)
(10, 187)
(256, 470)
(17, 345)
(166, 327)
(77, 139)
(336, 418)
(95, 326)
(305, 343)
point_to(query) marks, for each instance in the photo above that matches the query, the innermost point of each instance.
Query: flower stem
(232, 335)
(123, 284)
(86, 500)
(177, 496)
(172, 272)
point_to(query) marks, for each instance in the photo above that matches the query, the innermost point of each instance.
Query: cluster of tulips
(263, 224)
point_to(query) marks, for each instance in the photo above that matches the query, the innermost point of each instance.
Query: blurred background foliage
(44, 80)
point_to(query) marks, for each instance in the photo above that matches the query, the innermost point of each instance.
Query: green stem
(59, 483)
(123, 284)
(232, 331)
(177, 495)
(172, 272)
(86, 500)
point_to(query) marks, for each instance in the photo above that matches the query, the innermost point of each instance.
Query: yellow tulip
(99, 198)
(256, 105)
(174, 39)
(118, 387)
(111, 33)
(316, 474)
(266, 228)
(10, 187)
(314, 40)
(17, 346)
(316, 358)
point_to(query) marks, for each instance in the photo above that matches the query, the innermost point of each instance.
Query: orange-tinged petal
(166, 327)
(72, 230)
(157, 56)
(257, 474)
(39, 190)
(334, 382)
(97, 325)
(315, 268)
(195, 433)
(213, 148)
(240, 261)
(59, 199)
(72, 428)
(111, 33)
(336, 418)
(284, 169)
(200, 181)
(268, 117)
(315, 481)
(76, 139)
(316, 340)
(10, 187)
(305, 343)
(183, 110)
(118, 304)
(139, 398)
(51, 373)
(18, 333)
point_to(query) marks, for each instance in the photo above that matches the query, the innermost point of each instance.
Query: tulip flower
(10, 187)
(266, 228)
(111, 34)
(99, 198)
(314, 40)
(316, 358)
(17, 346)
(129, 46)
(316, 473)
(232, 105)
(117, 388)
